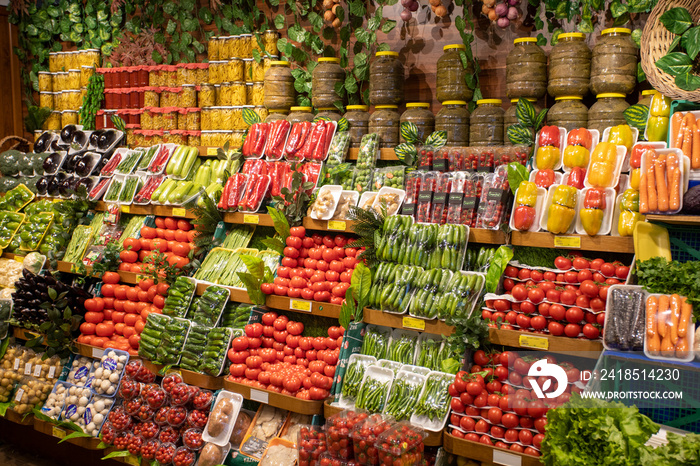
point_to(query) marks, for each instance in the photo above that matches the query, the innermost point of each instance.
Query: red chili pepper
(247, 145)
(330, 128)
(263, 131)
(293, 140)
(317, 152)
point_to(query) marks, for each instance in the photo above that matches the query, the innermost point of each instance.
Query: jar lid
(418, 105)
(572, 35)
(569, 97)
(277, 110)
(250, 59)
(615, 31)
(455, 46)
(69, 111)
(489, 101)
(279, 63)
(329, 60)
(387, 53)
(610, 94)
(83, 66)
(515, 101)
(386, 106)
(246, 35)
(300, 109)
(648, 92)
(234, 59)
(364, 108)
(326, 109)
(44, 72)
(524, 40)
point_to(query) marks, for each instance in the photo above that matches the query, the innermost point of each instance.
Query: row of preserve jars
(573, 69)
(241, 46)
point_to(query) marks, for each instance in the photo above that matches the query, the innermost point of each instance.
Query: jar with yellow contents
(261, 111)
(230, 48)
(147, 119)
(156, 118)
(181, 74)
(255, 94)
(235, 70)
(53, 122)
(207, 95)
(238, 93)
(90, 57)
(201, 73)
(139, 139)
(71, 61)
(258, 70)
(215, 72)
(237, 122)
(170, 76)
(194, 139)
(130, 137)
(60, 81)
(213, 48)
(269, 39)
(208, 138)
(69, 117)
(222, 118)
(154, 77)
(177, 137)
(248, 69)
(46, 99)
(45, 82)
(169, 120)
(246, 47)
(74, 79)
(86, 73)
(188, 96)
(53, 62)
(181, 115)
(205, 119)
(193, 119)
(236, 139)
(73, 100)
(151, 98)
(224, 95)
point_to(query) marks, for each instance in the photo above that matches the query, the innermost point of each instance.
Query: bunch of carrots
(685, 135)
(660, 183)
(668, 322)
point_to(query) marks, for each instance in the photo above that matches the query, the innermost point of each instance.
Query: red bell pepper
(576, 177)
(579, 137)
(523, 217)
(544, 178)
(549, 136)
(637, 154)
(594, 199)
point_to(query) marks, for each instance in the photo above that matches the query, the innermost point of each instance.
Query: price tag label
(212, 150)
(19, 395)
(97, 353)
(299, 305)
(531, 341)
(125, 209)
(28, 368)
(58, 433)
(15, 366)
(132, 460)
(259, 396)
(19, 259)
(52, 372)
(337, 225)
(37, 370)
(179, 212)
(412, 322)
(251, 218)
(567, 242)
(507, 459)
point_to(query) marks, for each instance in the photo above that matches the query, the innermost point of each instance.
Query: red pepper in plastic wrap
(255, 166)
(274, 148)
(277, 173)
(576, 177)
(312, 171)
(297, 138)
(233, 190)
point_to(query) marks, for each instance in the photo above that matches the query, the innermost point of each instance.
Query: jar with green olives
(568, 112)
(607, 111)
(614, 62)
(299, 114)
(569, 66)
(420, 115)
(526, 69)
(486, 123)
(326, 74)
(453, 119)
(279, 86)
(510, 117)
(385, 122)
(386, 79)
(451, 73)
(358, 123)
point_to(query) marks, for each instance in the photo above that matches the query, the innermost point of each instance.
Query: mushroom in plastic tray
(109, 373)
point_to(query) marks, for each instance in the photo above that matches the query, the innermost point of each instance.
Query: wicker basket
(656, 40)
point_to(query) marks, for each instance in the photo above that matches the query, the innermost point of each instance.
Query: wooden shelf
(316, 308)
(481, 235)
(125, 277)
(486, 454)
(17, 418)
(675, 219)
(573, 346)
(94, 351)
(377, 317)
(277, 400)
(617, 244)
(192, 378)
(24, 334)
(159, 210)
(238, 295)
(384, 154)
(337, 225)
(250, 219)
(89, 443)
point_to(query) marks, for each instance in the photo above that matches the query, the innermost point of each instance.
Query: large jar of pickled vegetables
(246, 46)
(453, 119)
(386, 79)
(569, 66)
(275, 115)
(86, 73)
(207, 95)
(299, 114)
(213, 48)
(526, 69)
(194, 138)
(451, 84)
(486, 123)
(510, 117)
(234, 70)
(646, 97)
(238, 93)
(569, 112)
(188, 96)
(169, 119)
(69, 117)
(255, 94)
(226, 49)
(614, 62)
(182, 118)
(279, 86)
(420, 115)
(45, 82)
(385, 122)
(607, 111)
(46, 99)
(193, 119)
(358, 123)
(53, 122)
(324, 78)
(329, 112)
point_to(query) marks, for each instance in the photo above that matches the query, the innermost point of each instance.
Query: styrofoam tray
(434, 425)
(348, 402)
(606, 224)
(655, 145)
(671, 126)
(223, 438)
(690, 334)
(381, 374)
(397, 333)
(139, 153)
(621, 154)
(635, 135)
(541, 197)
(595, 139)
(387, 190)
(562, 142)
(62, 158)
(545, 213)
(420, 370)
(363, 199)
(354, 197)
(684, 177)
(557, 177)
(335, 191)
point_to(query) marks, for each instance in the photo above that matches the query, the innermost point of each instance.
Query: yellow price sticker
(125, 209)
(250, 218)
(337, 225)
(299, 305)
(58, 433)
(412, 322)
(530, 341)
(179, 212)
(567, 242)
(19, 259)
(212, 150)
(132, 460)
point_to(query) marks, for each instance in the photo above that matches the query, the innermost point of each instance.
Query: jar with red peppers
(385, 122)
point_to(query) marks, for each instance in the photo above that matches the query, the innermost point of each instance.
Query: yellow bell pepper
(628, 218)
(564, 196)
(576, 156)
(622, 136)
(630, 200)
(547, 157)
(659, 113)
(527, 194)
(660, 105)
(559, 219)
(592, 219)
(603, 164)
(634, 178)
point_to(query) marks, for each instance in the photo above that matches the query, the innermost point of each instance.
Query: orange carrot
(652, 306)
(686, 313)
(695, 157)
(687, 145)
(667, 348)
(662, 313)
(682, 348)
(651, 177)
(661, 186)
(675, 316)
(673, 174)
(678, 139)
(689, 119)
(643, 202)
(676, 126)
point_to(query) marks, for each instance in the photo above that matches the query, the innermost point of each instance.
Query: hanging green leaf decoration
(406, 153)
(250, 117)
(437, 139)
(409, 132)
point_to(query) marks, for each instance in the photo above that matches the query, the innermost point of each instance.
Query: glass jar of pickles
(526, 69)
(324, 78)
(170, 72)
(181, 118)
(53, 122)
(246, 46)
(89, 57)
(486, 123)
(73, 79)
(223, 95)
(183, 75)
(358, 123)
(234, 70)
(386, 79)
(86, 73)
(453, 119)
(226, 47)
(60, 82)
(154, 79)
(299, 114)
(607, 111)
(258, 70)
(176, 137)
(205, 119)
(248, 69)
(187, 96)
(279, 86)
(238, 92)
(169, 120)
(269, 39)
(209, 138)
(206, 96)
(569, 66)
(151, 98)
(193, 119)
(53, 62)
(156, 118)
(213, 48)
(46, 99)
(274, 115)
(614, 62)
(451, 84)
(329, 112)
(261, 111)
(69, 117)
(45, 82)
(73, 101)
(201, 72)
(255, 94)
(419, 114)
(569, 112)
(239, 123)
(147, 118)
(385, 122)
(215, 71)
(71, 61)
